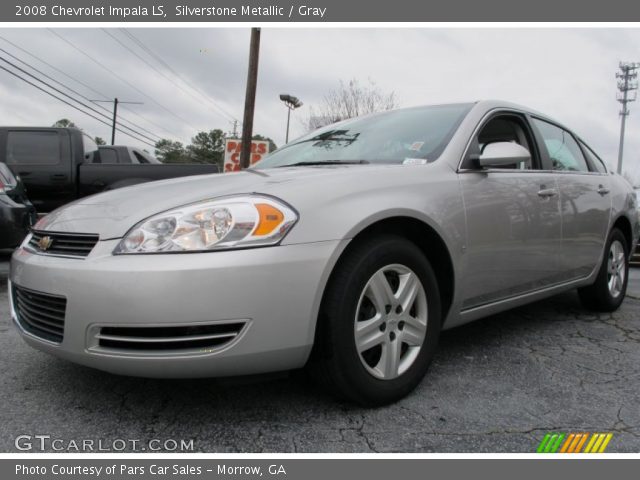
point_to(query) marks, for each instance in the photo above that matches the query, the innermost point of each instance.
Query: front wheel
(608, 291)
(379, 323)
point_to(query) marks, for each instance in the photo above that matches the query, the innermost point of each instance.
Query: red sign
(233, 147)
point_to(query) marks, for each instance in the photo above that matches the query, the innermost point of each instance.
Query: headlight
(232, 222)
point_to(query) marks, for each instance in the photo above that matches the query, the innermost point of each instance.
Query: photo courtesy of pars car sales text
(121, 469)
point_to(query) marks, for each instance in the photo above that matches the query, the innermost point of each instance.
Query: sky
(192, 79)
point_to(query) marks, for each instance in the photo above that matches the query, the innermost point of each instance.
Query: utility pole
(116, 102)
(115, 117)
(234, 132)
(626, 83)
(250, 98)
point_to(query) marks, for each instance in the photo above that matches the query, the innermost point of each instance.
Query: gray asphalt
(497, 385)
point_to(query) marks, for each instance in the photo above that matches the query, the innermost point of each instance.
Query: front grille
(179, 339)
(67, 244)
(39, 313)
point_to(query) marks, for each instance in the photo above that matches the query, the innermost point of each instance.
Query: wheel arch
(421, 233)
(623, 224)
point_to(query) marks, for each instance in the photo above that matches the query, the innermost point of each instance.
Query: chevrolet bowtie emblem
(44, 243)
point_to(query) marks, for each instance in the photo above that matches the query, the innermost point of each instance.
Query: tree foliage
(63, 123)
(168, 151)
(205, 147)
(99, 141)
(350, 99)
(272, 144)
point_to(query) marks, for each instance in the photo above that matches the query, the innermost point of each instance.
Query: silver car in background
(345, 251)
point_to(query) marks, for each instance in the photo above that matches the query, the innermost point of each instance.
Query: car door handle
(602, 190)
(58, 176)
(547, 192)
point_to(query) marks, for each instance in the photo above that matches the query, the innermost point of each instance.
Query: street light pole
(291, 103)
(288, 119)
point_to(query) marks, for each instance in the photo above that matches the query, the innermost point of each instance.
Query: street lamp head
(290, 100)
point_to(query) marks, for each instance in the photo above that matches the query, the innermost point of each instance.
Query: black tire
(598, 296)
(336, 362)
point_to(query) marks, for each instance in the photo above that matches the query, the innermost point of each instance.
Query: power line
(116, 102)
(150, 122)
(75, 47)
(159, 59)
(88, 87)
(70, 89)
(161, 73)
(68, 103)
(71, 98)
(52, 95)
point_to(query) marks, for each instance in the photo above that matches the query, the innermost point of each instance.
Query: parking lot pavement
(497, 385)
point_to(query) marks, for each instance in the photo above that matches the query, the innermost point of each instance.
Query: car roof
(497, 104)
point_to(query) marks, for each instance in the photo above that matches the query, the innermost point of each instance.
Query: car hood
(112, 214)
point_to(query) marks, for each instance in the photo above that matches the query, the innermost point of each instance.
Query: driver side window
(506, 128)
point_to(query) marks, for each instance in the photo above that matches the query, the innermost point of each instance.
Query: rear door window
(594, 160)
(140, 158)
(108, 155)
(563, 150)
(33, 148)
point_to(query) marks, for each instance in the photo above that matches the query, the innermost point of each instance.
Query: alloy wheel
(616, 269)
(391, 321)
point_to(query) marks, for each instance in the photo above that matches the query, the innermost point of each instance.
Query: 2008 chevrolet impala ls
(347, 251)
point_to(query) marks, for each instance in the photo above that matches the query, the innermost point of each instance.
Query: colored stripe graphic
(555, 442)
(551, 442)
(565, 447)
(594, 437)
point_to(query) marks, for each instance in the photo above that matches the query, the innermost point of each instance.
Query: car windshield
(390, 137)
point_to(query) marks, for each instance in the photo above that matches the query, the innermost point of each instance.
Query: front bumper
(276, 291)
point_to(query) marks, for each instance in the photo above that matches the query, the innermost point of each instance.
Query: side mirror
(502, 154)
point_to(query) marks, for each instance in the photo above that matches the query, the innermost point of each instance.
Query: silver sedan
(346, 251)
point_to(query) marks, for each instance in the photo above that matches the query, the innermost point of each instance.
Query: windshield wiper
(326, 162)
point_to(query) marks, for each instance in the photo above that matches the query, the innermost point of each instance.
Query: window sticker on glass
(415, 161)
(416, 146)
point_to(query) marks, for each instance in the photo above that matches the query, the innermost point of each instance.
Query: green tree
(168, 151)
(99, 141)
(64, 123)
(207, 147)
(272, 144)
